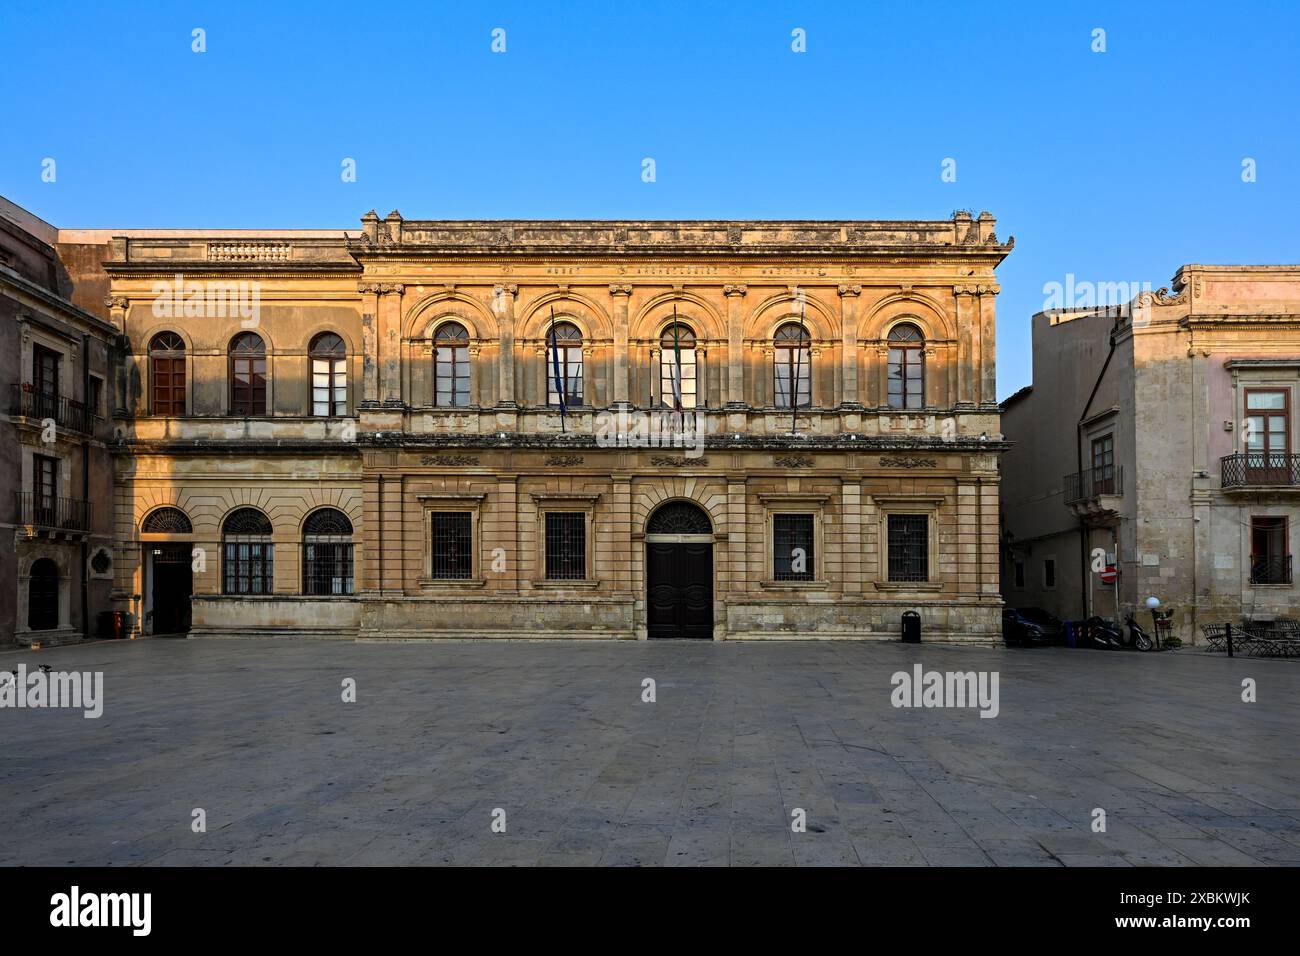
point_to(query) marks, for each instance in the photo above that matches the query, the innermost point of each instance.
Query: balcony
(25, 401)
(40, 513)
(1259, 470)
(1274, 569)
(1095, 492)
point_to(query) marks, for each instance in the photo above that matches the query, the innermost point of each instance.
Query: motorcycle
(1140, 638)
(1105, 634)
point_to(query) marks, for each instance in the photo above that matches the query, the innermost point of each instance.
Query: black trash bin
(911, 627)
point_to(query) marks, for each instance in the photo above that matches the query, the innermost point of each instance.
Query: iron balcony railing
(1255, 468)
(1093, 482)
(44, 511)
(1271, 570)
(29, 402)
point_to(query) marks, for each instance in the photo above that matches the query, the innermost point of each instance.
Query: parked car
(1029, 625)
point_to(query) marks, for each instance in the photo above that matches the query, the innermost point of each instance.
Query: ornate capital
(504, 289)
(730, 290)
(850, 290)
(391, 288)
(620, 290)
(116, 302)
(368, 288)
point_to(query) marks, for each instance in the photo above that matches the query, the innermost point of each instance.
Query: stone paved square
(741, 734)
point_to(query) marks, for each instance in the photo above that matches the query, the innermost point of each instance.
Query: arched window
(327, 553)
(329, 376)
(167, 521)
(677, 369)
(167, 374)
(248, 552)
(43, 596)
(906, 367)
(792, 356)
(679, 517)
(451, 366)
(565, 347)
(247, 375)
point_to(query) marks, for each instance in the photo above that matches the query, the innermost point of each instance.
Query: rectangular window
(452, 555)
(451, 376)
(249, 566)
(45, 481)
(1103, 465)
(327, 567)
(677, 386)
(45, 381)
(329, 387)
(566, 546)
(248, 385)
(792, 548)
(168, 382)
(1049, 572)
(1020, 574)
(1268, 434)
(1269, 561)
(96, 396)
(570, 360)
(909, 548)
(792, 377)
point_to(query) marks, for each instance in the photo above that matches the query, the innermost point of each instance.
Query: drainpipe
(1084, 578)
(85, 485)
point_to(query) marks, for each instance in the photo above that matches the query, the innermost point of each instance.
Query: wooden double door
(679, 582)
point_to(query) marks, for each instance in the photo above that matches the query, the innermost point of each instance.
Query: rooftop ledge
(962, 235)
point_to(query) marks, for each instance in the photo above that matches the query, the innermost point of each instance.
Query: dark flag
(555, 366)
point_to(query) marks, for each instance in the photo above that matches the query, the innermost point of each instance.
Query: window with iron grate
(909, 548)
(327, 565)
(451, 554)
(792, 547)
(566, 546)
(248, 554)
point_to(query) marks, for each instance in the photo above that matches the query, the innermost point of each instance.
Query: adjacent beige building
(769, 429)
(1160, 439)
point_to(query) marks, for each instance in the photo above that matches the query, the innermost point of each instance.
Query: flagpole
(677, 372)
(798, 364)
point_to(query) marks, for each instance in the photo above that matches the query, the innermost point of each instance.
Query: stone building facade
(360, 434)
(1162, 436)
(56, 550)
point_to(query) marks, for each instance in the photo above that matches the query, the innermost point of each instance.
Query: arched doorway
(679, 572)
(169, 576)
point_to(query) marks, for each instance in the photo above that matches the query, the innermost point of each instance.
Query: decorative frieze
(671, 461)
(792, 461)
(450, 461)
(908, 461)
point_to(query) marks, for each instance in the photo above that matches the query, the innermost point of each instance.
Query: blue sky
(1114, 166)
